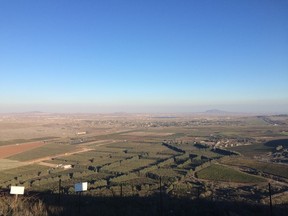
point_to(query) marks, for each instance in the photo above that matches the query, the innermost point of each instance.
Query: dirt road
(83, 149)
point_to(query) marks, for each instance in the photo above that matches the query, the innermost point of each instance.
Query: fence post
(271, 210)
(161, 198)
(59, 186)
(79, 202)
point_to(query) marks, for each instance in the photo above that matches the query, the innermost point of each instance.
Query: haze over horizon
(143, 56)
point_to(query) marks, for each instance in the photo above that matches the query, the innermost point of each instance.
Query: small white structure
(17, 190)
(82, 186)
(68, 166)
(82, 133)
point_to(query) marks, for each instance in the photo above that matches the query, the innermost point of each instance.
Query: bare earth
(9, 150)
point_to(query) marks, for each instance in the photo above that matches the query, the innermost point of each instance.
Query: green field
(43, 151)
(270, 168)
(260, 149)
(132, 165)
(6, 164)
(28, 171)
(85, 158)
(18, 141)
(217, 172)
(252, 150)
(167, 172)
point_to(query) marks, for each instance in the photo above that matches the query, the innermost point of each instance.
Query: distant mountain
(32, 113)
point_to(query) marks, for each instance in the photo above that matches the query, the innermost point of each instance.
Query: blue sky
(143, 56)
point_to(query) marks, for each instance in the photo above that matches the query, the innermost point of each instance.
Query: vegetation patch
(217, 172)
(130, 165)
(270, 168)
(43, 151)
(9, 164)
(252, 150)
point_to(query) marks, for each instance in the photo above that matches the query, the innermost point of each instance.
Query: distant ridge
(33, 112)
(216, 111)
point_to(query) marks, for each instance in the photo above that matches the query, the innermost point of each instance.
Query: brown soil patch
(9, 150)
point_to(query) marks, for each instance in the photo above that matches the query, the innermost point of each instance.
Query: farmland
(132, 154)
(222, 173)
(8, 150)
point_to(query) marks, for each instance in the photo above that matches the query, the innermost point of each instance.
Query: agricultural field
(10, 150)
(46, 150)
(280, 170)
(217, 172)
(194, 156)
(6, 164)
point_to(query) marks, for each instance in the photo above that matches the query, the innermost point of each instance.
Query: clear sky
(143, 55)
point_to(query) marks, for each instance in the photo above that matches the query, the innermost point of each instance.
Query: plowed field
(7, 151)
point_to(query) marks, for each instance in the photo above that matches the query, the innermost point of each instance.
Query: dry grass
(23, 206)
(9, 164)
